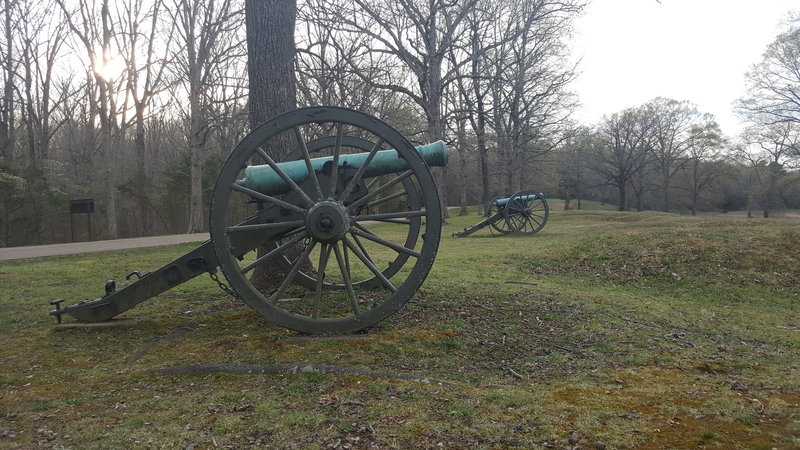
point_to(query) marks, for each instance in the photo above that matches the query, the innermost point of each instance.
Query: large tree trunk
(622, 196)
(270, 67)
(270, 58)
(433, 86)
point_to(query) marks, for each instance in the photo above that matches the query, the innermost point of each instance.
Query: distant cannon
(525, 212)
(354, 231)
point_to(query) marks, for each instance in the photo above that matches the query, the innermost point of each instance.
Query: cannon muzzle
(264, 179)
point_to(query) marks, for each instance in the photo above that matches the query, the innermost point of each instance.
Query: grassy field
(634, 330)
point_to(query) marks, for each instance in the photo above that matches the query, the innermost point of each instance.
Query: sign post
(81, 206)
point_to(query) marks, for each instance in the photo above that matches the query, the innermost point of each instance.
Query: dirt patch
(671, 408)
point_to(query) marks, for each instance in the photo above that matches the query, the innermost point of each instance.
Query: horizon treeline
(137, 103)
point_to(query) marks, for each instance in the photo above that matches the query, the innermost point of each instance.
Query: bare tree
(209, 38)
(458, 124)
(414, 36)
(774, 84)
(483, 34)
(622, 153)
(571, 165)
(7, 109)
(703, 166)
(771, 150)
(532, 104)
(95, 31)
(138, 40)
(41, 39)
(671, 135)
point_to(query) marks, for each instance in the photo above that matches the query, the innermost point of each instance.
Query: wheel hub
(328, 221)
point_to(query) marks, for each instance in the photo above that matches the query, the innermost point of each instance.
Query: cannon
(525, 212)
(345, 228)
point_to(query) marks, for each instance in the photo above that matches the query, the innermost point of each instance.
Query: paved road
(39, 251)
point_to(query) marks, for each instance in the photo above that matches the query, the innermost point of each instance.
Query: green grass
(638, 330)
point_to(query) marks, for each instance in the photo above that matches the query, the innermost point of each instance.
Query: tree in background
(622, 152)
(145, 59)
(773, 85)
(529, 87)
(673, 122)
(210, 43)
(703, 161)
(95, 29)
(573, 180)
(771, 151)
(7, 108)
(415, 37)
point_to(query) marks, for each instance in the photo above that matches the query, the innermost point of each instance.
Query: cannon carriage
(350, 219)
(524, 212)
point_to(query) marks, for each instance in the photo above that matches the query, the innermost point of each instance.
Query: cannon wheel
(526, 212)
(501, 226)
(346, 247)
(409, 194)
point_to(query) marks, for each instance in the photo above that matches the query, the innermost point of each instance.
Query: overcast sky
(696, 50)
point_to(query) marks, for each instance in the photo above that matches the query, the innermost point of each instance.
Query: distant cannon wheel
(501, 226)
(526, 212)
(366, 242)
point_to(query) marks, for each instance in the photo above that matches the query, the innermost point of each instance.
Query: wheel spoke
(365, 259)
(267, 198)
(323, 263)
(386, 199)
(396, 221)
(344, 267)
(264, 226)
(362, 248)
(274, 252)
(346, 258)
(394, 215)
(337, 150)
(377, 239)
(360, 172)
(292, 273)
(286, 179)
(377, 191)
(307, 158)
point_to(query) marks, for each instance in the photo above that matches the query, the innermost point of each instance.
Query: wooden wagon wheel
(352, 248)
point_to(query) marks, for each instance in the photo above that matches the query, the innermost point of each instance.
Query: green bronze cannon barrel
(264, 179)
(503, 201)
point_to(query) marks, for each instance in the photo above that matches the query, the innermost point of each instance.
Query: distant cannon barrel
(503, 201)
(264, 179)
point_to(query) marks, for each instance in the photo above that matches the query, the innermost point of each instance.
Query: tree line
(136, 104)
